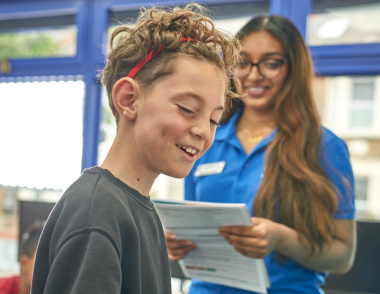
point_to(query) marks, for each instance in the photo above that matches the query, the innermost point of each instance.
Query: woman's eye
(242, 64)
(185, 109)
(272, 64)
(214, 123)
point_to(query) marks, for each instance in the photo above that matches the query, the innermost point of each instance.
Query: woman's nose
(254, 74)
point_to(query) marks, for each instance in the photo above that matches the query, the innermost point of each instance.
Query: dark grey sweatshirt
(102, 237)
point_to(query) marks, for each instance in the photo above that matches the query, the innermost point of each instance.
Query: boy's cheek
(199, 155)
(208, 144)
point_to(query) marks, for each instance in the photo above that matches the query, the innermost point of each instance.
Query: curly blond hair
(156, 26)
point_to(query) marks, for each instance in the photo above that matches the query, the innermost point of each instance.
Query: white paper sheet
(214, 260)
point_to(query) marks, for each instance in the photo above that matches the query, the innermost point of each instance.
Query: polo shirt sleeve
(335, 160)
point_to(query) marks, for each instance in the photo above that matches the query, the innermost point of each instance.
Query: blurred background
(54, 115)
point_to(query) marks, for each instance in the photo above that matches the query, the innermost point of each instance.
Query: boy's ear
(125, 93)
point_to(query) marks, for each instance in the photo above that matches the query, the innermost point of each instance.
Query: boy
(21, 284)
(104, 235)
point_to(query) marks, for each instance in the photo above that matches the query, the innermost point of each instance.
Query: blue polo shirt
(239, 183)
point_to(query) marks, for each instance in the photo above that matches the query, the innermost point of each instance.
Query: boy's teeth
(188, 149)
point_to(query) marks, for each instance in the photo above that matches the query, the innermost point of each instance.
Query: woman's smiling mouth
(256, 91)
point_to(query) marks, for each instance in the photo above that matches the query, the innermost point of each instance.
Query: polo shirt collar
(227, 132)
(229, 129)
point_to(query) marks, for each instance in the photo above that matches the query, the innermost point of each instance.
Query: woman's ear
(125, 93)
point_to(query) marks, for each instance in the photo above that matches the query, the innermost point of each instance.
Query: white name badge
(210, 169)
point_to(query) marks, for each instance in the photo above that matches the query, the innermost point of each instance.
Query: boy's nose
(201, 130)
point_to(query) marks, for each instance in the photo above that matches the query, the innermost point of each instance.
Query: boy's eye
(185, 109)
(213, 122)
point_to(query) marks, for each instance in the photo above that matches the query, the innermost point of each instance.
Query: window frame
(346, 59)
(54, 65)
(331, 60)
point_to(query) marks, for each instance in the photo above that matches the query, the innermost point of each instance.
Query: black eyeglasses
(269, 68)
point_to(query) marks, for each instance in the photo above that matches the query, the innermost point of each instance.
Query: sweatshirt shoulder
(90, 203)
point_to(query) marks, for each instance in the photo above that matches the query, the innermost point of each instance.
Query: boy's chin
(178, 173)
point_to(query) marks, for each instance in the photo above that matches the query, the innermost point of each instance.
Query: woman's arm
(266, 236)
(337, 258)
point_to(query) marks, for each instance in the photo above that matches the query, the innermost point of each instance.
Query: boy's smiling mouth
(188, 150)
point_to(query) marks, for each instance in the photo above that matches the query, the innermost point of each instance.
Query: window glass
(361, 187)
(41, 127)
(362, 102)
(227, 16)
(41, 148)
(363, 89)
(350, 108)
(350, 105)
(38, 37)
(232, 25)
(355, 24)
(361, 118)
(107, 129)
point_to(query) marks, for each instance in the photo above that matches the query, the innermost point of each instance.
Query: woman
(294, 175)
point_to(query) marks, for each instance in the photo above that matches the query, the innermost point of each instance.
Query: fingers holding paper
(177, 249)
(256, 241)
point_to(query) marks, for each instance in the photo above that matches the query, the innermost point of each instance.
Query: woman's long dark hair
(295, 190)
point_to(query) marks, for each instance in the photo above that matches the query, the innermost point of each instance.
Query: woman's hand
(265, 236)
(177, 249)
(256, 241)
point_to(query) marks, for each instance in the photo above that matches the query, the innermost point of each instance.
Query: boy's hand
(178, 249)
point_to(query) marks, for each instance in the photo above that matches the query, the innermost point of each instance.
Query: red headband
(144, 61)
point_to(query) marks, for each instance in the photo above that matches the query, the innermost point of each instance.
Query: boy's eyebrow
(198, 98)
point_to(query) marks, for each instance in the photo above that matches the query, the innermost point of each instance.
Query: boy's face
(180, 113)
(27, 265)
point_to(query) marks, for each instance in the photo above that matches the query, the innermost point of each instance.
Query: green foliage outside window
(107, 116)
(16, 45)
